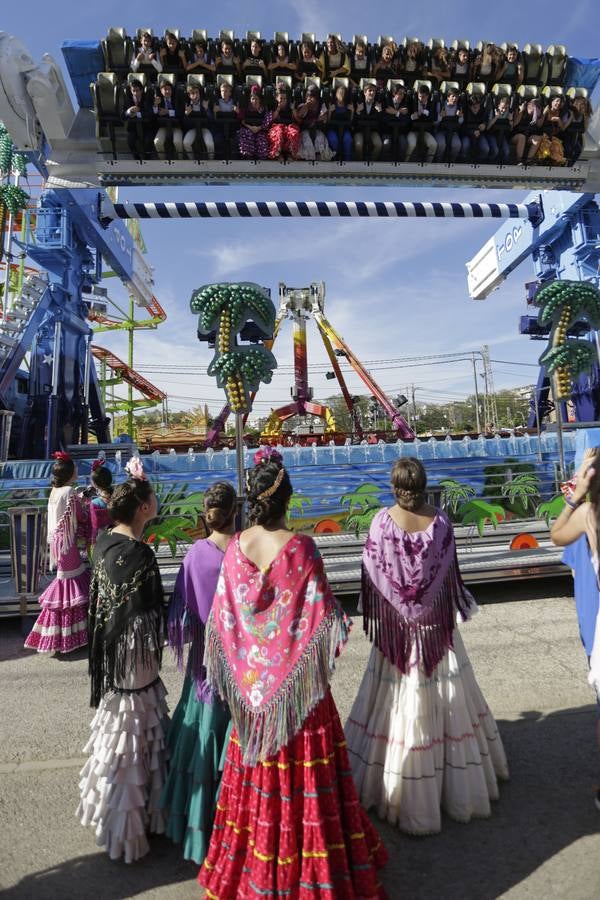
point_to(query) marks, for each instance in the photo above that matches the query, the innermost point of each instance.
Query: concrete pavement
(543, 840)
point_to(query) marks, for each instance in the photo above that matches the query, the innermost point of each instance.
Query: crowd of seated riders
(226, 98)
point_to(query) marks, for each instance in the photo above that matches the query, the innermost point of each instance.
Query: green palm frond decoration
(365, 497)
(551, 509)
(297, 504)
(479, 512)
(454, 493)
(522, 490)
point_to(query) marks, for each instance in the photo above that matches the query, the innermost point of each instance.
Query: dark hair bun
(127, 497)
(220, 502)
(102, 478)
(409, 481)
(62, 472)
(267, 510)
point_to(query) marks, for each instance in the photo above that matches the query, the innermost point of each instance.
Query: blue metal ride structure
(565, 244)
(57, 401)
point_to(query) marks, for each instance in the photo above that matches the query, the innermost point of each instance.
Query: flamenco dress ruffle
(122, 781)
(195, 742)
(292, 826)
(418, 744)
(61, 626)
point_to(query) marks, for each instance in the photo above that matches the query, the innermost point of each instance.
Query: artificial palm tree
(563, 304)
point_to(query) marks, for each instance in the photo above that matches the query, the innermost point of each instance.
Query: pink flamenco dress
(61, 627)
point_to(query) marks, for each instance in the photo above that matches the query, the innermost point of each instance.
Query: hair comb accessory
(97, 464)
(135, 469)
(267, 454)
(270, 491)
(62, 456)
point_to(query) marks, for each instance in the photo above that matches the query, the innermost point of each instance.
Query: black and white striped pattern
(318, 209)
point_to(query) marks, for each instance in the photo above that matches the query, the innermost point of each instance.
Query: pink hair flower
(267, 454)
(135, 468)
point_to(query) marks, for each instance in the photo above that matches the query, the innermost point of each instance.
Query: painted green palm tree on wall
(297, 504)
(227, 307)
(363, 504)
(563, 304)
(454, 493)
(522, 492)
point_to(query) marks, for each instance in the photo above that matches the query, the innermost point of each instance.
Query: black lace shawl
(126, 619)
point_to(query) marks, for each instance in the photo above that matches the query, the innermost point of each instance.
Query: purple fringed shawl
(192, 601)
(412, 591)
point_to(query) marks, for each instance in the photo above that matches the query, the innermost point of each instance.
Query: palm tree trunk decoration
(239, 370)
(562, 305)
(12, 197)
(228, 307)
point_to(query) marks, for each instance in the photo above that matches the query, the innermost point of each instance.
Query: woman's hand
(584, 475)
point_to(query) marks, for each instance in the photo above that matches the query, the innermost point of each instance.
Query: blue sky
(394, 288)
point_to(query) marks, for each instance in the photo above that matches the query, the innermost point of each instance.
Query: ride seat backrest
(117, 50)
(175, 31)
(195, 79)
(481, 45)
(573, 92)
(253, 36)
(460, 44)
(312, 79)
(528, 91)
(552, 90)
(556, 61)
(506, 44)
(501, 88)
(138, 76)
(391, 84)
(227, 34)
(476, 87)
(281, 37)
(106, 95)
(533, 63)
(308, 37)
(436, 43)
(286, 79)
(446, 86)
(199, 34)
(254, 79)
(422, 81)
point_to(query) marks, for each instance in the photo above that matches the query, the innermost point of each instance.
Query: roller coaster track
(124, 373)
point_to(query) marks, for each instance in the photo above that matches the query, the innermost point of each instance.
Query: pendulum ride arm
(400, 424)
(357, 426)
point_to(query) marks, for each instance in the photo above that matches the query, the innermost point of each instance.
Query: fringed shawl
(191, 603)
(271, 641)
(100, 518)
(412, 591)
(62, 521)
(127, 611)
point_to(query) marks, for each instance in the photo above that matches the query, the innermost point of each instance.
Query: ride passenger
(498, 131)
(146, 59)
(555, 120)
(227, 63)
(167, 109)
(386, 66)
(308, 65)
(368, 127)
(200, 61)
(449, 124)
(288, 821)
(439, 69)
(422, 124)
(510, 70)
(195, 124)
(413, 65)
(340, 114)
(420, 735)
(460, 67)
(284, 133)
(100, 517)
(225, 111)
(172, 55)
(474, 140)
(359, 63)
(282, 64)
(256, 120)
(254, 63)
(139, 120)
(397, 119)
(311, 117)
(334, 60)
(527, 132)
(576, 126)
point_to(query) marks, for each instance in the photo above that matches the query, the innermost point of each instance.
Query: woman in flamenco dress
(121, 783)
(420, 735)
(288, 820)
(61, 627)
(199, 726)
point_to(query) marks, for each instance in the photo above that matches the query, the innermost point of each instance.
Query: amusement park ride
(76, 234)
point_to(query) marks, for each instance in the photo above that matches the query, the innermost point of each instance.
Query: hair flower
(62, 456)
(267, 454)
(135, 469)
(97, 464)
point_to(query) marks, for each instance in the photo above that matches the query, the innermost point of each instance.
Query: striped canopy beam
(273, 209)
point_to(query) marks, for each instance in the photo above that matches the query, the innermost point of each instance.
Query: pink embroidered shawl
(271, 641)
(412, 591)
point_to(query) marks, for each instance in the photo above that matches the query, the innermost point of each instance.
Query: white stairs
(14, 322)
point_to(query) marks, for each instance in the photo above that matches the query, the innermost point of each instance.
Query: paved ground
(542, 841)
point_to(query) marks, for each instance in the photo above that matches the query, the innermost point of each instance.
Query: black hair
(127, 497)
(62, 472)
(220, 503)
(267, 510)
(135, 82)
(102, 479)
(423, 89)
(409, 481)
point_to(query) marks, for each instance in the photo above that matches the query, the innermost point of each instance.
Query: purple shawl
(192, 601)
(412, 591)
